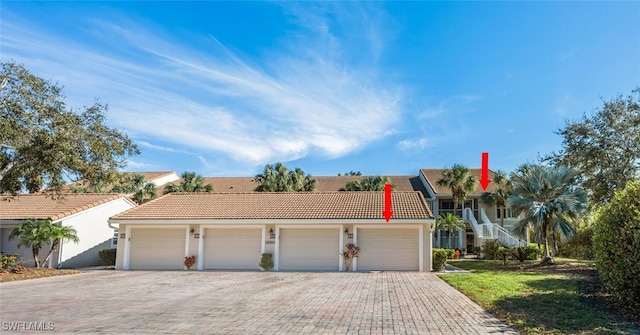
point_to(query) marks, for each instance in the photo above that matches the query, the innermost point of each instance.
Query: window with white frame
(508, 213)
(114, 240)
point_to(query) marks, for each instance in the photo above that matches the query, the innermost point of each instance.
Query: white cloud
(410, 145)
(137, 165)
(313, 97)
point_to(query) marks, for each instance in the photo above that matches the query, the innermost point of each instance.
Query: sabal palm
(549, 200)
(498, 197)
(460, 181)
(137, 186)
(278, 178)
(191, 182)
(375, 183)
(449, 223)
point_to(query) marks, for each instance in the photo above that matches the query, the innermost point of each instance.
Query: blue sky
(223, 88)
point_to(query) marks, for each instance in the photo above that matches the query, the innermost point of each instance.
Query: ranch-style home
(86, 213)
(303, 231)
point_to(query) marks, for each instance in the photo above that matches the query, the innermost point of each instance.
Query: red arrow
(387, 213)
(484, 181)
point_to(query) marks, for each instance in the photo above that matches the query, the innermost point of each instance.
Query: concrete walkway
(192, 302)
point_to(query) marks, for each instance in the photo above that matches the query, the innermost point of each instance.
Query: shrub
(533, 251)
(266, 262)
(491, 249)
(580, 246)
(451, 253)
(616, 245)
(19, 269)
(7, 261)
(189, 261)
(439, 259)
(107, 257)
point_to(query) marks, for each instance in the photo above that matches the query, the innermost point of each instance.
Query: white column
(341, 258)
(127, 249)
(262, 247)
(201, 249)
(354, 263)
(276, 251)
(186, 242)
(421, 249)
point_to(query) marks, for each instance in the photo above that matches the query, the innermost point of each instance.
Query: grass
(30, 273)
(540, 300)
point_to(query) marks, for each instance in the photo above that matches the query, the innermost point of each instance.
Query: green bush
(491, 249)
(580, 246)
(107, 257)
(533, 251)
(439, 259)
(7, 261)
(451, 253)
(266, 262)
(616, 245)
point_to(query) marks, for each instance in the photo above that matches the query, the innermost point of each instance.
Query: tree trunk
(54, 248)
(36, 261)
(554, 244)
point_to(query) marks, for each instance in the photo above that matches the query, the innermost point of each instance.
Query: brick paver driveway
(135, 302)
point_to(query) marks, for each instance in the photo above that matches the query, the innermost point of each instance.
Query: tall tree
(191, 182)
(549, 200)
(368, 183)
(42, 141)
(604, 147)
(137, 186)
(38, 233)
(498, 197)
(460, 181)
(450, 224)
(278, 178)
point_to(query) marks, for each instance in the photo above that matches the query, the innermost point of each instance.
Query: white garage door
(388, 249)
(232, 248)
(157, 249)
(309, 249)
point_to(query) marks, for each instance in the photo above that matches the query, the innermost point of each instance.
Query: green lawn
(539, 300)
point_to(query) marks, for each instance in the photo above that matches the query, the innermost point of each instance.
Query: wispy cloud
(312, 97)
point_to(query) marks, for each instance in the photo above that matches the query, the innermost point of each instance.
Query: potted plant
(189, 261)
(266, 262)
(349, 252)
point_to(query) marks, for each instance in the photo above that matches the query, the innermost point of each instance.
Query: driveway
(191, 302)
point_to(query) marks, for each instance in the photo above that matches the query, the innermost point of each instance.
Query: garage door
(309, 249)
(232, 248)
(388, 249)
(161, 249)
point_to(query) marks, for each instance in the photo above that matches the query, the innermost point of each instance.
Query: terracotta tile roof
(433, 175)
(324, 183)
(295, 205)
(40, 206)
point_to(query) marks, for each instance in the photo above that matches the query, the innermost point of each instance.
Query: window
(508, 214)
(114, 240)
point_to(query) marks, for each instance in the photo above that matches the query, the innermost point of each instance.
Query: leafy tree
(616, 245)
(278, 178)
(36, 233)
(604, 147)
(460, 181)
(42, 141)
(450, 224)
(549, 200)
(191, 182)
(137, 186)
(499, 197)
(351, 173)
(375, 183)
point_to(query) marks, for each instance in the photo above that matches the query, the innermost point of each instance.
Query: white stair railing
(490, 231)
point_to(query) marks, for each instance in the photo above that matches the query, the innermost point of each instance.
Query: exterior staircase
(490, 231)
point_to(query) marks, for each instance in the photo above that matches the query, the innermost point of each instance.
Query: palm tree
(460, 181)
(375, 183)
(549, 200)
(278, 178)
(191, 182)
(449, 223)
(503, 189)
(59, 233)
(36, 233)
(137, 186)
